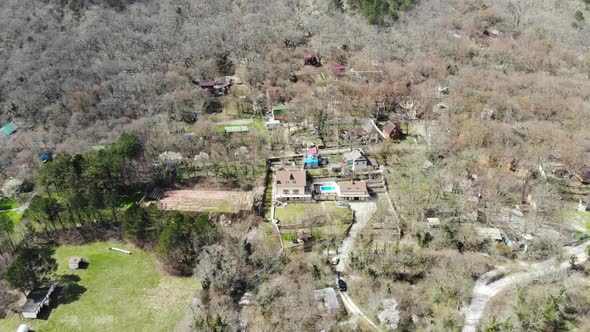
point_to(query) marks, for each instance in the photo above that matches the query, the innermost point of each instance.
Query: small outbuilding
(327, 297)
(76, 262)
(433, 222)
(489, 233)
(8, 129)
(392, 130)
(36, 300)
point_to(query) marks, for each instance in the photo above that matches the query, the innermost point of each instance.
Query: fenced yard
(302, 214)
(207, 201)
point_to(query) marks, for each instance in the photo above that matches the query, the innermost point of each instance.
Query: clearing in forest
(207, 201)
(116, 292)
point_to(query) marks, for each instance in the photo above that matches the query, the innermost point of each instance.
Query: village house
(218, 87)
(353, 190)
(279, 112)
(311, 158)
(355, 161)
(291, 185)
(327, 298)
(392, 130)
(584, 175)
(367, 133)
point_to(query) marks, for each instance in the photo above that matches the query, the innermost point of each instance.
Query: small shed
(327, 297)
(236, 129)
(206, 84)
(45, 157)
(433, 222)
(392, 130)
(280, 112)
(9, 128)
(489, 233)
(36, 300)
(76, 262)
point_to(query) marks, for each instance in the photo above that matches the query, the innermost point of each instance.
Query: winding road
(493, 282)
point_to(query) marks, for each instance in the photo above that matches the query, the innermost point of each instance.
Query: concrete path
(362, 212)
(487, 287)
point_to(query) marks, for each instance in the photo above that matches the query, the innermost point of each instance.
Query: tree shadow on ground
(69, 290)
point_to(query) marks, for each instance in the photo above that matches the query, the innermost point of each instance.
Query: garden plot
(207, 201)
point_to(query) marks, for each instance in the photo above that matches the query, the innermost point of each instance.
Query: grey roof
(328, 296)
(354, 155)
(36, 298)
(75, 259)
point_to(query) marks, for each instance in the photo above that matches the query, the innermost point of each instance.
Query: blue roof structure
(8, 128)
(311, 163)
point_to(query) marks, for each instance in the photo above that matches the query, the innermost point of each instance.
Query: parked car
(342, 285)
(335, 260)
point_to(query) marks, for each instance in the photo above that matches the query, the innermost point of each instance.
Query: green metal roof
(9, 128)
(280, 107)
(236, 129)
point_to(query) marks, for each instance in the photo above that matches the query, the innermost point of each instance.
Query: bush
(579, 16)
(118, 5)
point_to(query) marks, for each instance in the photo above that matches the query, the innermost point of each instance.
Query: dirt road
(487, 286)
(353, 309)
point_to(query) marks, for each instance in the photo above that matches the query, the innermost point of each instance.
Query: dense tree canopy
(31, 268)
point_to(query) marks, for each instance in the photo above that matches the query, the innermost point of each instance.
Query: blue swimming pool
(327, 188)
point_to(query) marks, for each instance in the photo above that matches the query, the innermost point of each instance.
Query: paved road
(486, 287)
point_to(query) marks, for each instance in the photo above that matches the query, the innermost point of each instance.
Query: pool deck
(319, 187)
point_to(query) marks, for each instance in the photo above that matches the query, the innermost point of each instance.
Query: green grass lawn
(14, 216)
(117, 292)
(572, 215)
(289, 214)
(8, 203)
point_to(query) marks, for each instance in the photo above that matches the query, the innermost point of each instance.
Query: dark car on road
(342, 285)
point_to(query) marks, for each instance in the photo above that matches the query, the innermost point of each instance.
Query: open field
(290, 214)
(207, 201)
(117, 292)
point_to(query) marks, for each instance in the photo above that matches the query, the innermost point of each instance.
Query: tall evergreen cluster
(377, 11)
